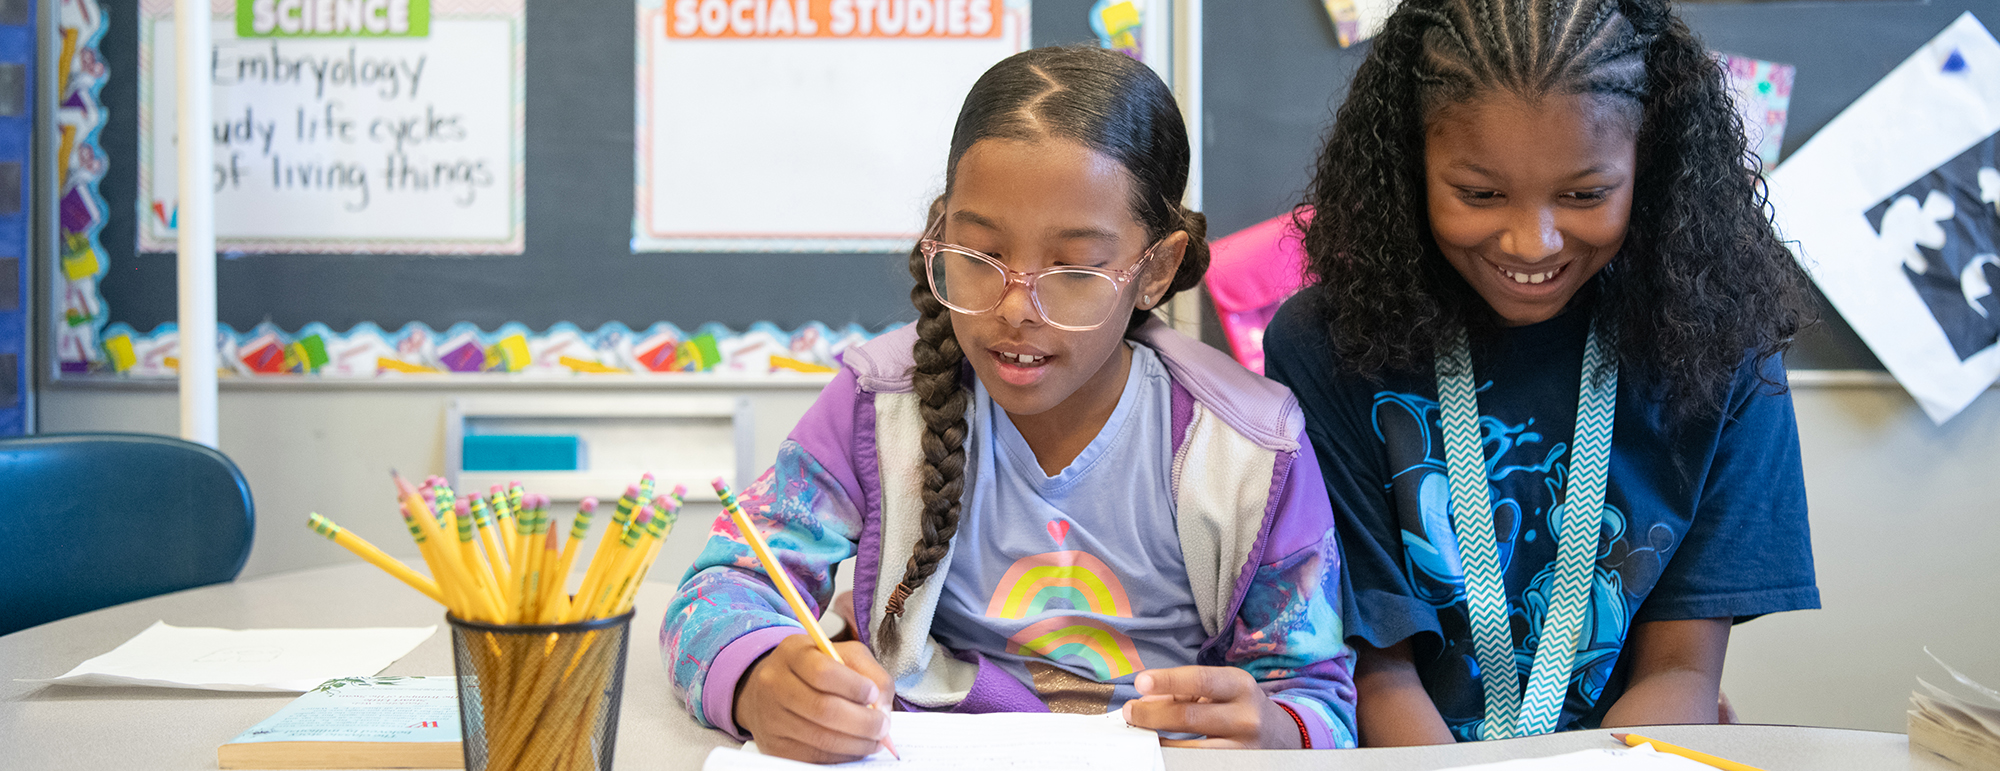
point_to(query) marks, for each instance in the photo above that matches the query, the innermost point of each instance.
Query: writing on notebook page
(994, 742)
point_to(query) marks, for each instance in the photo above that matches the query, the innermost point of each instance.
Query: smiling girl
(1056, 503)
(1540, 360)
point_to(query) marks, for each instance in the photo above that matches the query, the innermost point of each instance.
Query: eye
(1477, 196)
(1593, 196)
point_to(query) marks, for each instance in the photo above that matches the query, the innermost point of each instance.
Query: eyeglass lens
(1069, 298)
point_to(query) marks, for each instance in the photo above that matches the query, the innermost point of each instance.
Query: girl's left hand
(1222, 703)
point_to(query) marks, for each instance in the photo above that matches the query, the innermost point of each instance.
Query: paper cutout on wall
(1118, 25)
(1355, 21)
(1911, 264)
(367, 351)
(1763, 94)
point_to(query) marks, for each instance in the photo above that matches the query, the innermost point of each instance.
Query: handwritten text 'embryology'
(345, 99)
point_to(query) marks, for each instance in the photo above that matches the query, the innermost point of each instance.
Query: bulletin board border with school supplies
(575, 306)
(348, 126)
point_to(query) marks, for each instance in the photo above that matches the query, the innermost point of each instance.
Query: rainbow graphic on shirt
(1084, 584)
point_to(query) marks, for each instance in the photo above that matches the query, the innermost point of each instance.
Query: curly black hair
(1701, 279)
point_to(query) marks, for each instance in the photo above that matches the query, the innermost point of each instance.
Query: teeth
(1530, 278)
(1022, 358)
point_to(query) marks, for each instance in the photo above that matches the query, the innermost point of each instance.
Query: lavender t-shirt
(1074, 583)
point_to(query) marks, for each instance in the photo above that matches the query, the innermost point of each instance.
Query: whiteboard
(841, 143)
(349, 143)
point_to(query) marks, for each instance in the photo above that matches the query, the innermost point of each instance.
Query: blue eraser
(520, 452)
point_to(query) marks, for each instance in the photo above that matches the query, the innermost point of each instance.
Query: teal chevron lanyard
(1577, 521)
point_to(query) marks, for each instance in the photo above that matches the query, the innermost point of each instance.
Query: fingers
(1193, 683)
(827, 676)
(862, 661)
(1238, 721)
(1223, 704)
(801, 704)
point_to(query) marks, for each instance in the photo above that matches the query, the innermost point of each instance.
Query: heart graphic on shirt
(1058, 529)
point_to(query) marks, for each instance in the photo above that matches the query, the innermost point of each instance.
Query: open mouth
(1020, 369)
(1531, 278)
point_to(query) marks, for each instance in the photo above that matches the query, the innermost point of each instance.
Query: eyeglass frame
(1119, 278)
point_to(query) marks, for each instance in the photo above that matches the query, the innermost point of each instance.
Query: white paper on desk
(1640, 758)
(209, 659)
(1005, 741)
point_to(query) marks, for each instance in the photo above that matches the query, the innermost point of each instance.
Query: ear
(1160, 271)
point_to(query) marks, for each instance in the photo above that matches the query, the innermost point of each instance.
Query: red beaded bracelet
(1305, 736)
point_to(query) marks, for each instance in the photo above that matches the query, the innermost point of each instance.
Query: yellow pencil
(630, 573)
(468, 553)
(556, 602)
(608, 566)
(1634, 740)
(367, 551)
(670, 510)
(783, 581)
(413, 505)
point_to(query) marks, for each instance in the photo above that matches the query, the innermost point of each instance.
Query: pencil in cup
(534, 696)
(783, 581)
(374, 556)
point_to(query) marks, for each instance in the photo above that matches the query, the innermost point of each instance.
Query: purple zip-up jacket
(1255, 528)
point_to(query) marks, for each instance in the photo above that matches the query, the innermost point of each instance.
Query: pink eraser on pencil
(587, 504)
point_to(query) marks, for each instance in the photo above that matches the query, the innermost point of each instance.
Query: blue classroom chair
(92, 520)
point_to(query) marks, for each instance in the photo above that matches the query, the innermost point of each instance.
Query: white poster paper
(803, 125)
(348, 126)
(1892, 208)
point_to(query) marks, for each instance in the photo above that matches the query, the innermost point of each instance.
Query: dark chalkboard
(1275, 74)
(578, 265)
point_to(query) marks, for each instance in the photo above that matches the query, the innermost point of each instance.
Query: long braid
(942, 399)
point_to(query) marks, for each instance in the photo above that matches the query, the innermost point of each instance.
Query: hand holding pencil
(782, 699)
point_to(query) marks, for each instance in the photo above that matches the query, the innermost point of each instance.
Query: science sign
(348, 126)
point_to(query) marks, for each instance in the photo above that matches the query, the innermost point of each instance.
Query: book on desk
(357, 722)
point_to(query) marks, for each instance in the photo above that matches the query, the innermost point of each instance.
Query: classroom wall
(329, 450)
(1905, 518)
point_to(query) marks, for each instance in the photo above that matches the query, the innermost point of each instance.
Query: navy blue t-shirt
(1706, 520)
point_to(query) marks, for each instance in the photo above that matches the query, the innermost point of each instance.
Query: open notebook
(993, 742)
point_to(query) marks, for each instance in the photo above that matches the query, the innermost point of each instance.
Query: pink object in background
(1251, 272)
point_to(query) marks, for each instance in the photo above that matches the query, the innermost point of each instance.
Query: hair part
(1103, 101)
(1701, 279)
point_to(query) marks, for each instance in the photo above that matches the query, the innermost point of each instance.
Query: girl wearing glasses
(1056, 503)
(1540, 361)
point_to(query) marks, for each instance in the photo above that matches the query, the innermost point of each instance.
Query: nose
(1532, 237)
(1016, 307)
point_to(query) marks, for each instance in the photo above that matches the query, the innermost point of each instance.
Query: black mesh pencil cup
(540, 697)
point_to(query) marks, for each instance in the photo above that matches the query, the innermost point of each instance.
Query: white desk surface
(46, 727)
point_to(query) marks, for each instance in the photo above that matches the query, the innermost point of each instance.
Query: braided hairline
(1701, 278)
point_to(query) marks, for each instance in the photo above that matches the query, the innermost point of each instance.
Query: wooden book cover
(357, 722)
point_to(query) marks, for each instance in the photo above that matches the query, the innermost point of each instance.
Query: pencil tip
(1619, 737)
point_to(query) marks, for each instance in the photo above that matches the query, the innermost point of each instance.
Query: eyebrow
(1483, 171)
(1066, 234)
